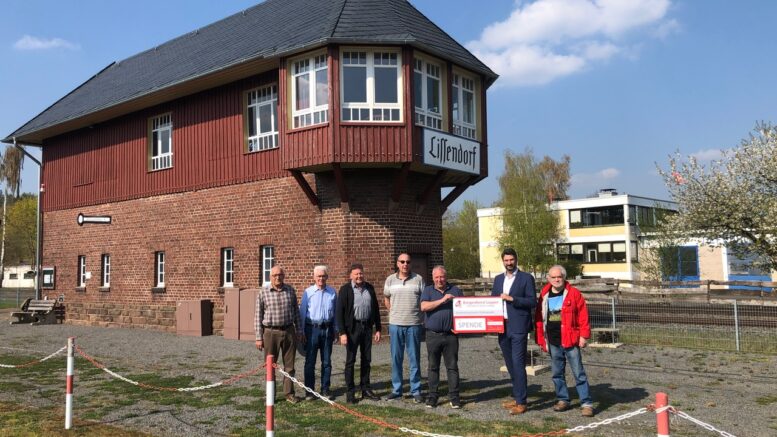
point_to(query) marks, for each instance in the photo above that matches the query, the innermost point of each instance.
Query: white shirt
(509, 279)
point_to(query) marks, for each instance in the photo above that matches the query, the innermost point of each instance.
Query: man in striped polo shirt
(402, 296)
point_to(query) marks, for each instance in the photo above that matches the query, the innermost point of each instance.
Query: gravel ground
(736, 393)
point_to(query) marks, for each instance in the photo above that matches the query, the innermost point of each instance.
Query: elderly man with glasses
(317, 312)
(402, 296)
(562, 329)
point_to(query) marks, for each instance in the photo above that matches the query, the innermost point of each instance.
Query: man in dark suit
(517, 291)
(357, 314)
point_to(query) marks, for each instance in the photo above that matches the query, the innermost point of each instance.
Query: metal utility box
(247, 313)
(232, 314)
(194, 318)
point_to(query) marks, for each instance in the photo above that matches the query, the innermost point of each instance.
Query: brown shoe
(293, 399)
(518, 409)
(587, 411)
(561, 406)
(508, 404)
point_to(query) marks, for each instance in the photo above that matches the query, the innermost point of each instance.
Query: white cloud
(547, 39)
(708, 155)
(28, 42)
(594, 180)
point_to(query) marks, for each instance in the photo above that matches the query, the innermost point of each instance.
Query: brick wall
(192, 227)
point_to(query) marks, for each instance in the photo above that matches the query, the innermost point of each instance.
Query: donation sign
(478, 315)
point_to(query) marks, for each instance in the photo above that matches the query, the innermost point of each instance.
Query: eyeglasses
(404, 261)
(556, 277)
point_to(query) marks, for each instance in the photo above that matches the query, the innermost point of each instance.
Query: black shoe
(431, 402)
(394, 396)
(369, 394)
(350, 398)
(328, 394)
(310, 397)
(418, 399)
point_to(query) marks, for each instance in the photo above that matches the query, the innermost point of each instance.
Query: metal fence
(722, 324)
(14, 297)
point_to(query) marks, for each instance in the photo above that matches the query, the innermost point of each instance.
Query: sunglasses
(403, 261)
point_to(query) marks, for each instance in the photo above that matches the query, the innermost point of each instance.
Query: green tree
(529, 225)
(460, 242)
(21, 230)
(731, 201)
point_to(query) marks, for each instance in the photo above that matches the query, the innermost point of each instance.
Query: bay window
(310, 91)
(427, 85)
(463, 99)
(371, 86)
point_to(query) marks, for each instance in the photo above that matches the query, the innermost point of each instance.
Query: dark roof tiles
(267, 30)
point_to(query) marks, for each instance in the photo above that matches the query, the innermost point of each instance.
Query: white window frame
(316, 112)
(355, 110)
(424, 116)
(256, 99)
(228, 267)
(459, 85)
(81, 271)
(267, 258)
(106, 270)
(159, 269)
(160, 124)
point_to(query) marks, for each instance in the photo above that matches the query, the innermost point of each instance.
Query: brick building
(296, 132)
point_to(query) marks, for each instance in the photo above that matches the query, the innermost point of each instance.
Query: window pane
(155, 143)
(322, 88)
(455, 99)
(165, 134)
(433, 95)
(577, 248)
(418, 87)
(386, 85)
(302, 87)
(619, 247)
(265, 122)
(468, 108)
(274, 116)
(604, 247)
(574, 216)
(252, 121)
(354, 84)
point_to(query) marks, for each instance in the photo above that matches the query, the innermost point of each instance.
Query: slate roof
(268, 30)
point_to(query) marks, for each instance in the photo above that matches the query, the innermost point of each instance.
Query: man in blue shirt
(436, 303)
(317, 312)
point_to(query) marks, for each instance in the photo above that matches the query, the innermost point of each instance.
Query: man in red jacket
(562, 329)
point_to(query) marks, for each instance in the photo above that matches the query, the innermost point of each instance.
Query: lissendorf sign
(451, 152)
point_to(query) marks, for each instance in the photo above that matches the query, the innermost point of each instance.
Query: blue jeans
(559, 357)
(405, 338)
(318, 339)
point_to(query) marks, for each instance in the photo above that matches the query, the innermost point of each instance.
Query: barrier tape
(32, 363)
(228, 381)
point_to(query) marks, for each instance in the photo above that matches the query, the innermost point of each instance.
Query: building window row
(601, 216)
(596, 252)
(371, 91)
(267, 261)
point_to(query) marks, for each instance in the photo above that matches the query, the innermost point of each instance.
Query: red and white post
(662, 418)
(270, 399)
(71, 341)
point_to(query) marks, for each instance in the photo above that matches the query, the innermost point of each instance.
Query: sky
(618, 85)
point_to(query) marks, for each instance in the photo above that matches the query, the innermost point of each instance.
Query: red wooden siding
(109, 162)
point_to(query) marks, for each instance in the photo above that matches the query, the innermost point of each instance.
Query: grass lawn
(98, 397)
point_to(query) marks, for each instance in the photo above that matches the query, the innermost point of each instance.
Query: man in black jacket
(357, 314)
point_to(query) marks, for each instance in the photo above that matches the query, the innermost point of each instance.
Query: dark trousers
(445, 345)
(276, 342)
(359, 338)
(514, 352)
